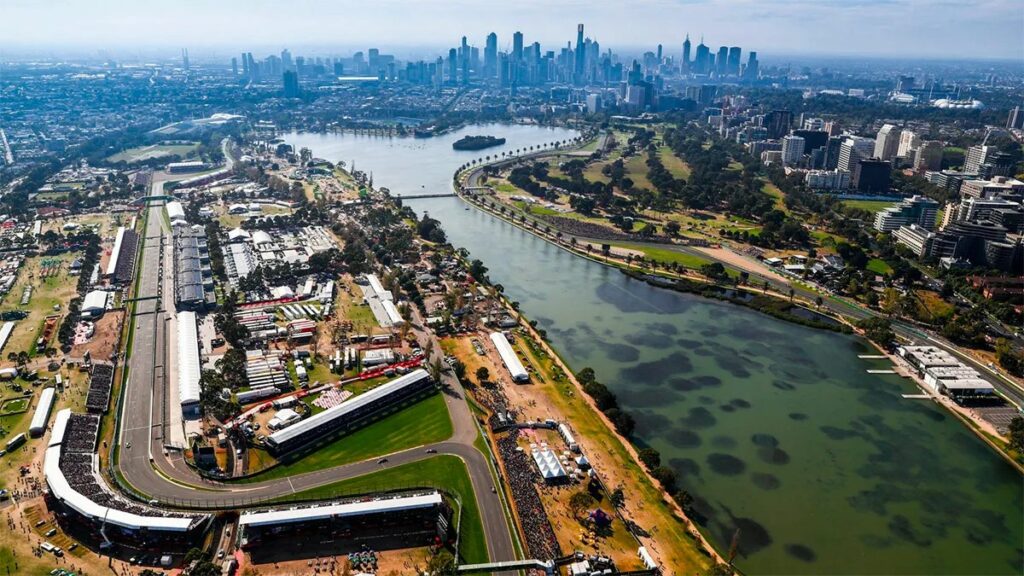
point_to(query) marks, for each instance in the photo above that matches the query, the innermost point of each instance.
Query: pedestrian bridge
(148, 199)
(492, 567)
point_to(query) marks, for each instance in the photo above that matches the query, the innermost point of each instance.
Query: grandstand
(352, 414)
(100, 382)
(399, 520)
(88, 510)
(121, 266)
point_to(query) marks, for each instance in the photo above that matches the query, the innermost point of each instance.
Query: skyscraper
(792, 150)
(286, 59)
(1015, 119)
(701, 59)
(887, 142)
(184, 59)
(234, 66)
(722, 61)
(580, 55)
(735, 53)
(453, 66)
(976, 156)
(491, 56)
(686, 54)
(752, 71)
(909, 141)
(291, 84)
(517, 46)
(777, 122)
(853, 150)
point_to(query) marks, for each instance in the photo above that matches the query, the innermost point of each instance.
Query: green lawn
(425, 422)
(869, 205)
(674, 164)
(14, 405)
(878, 266)
(443, 472)
(666, 255)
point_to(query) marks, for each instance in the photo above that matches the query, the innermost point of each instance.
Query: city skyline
(899, 28)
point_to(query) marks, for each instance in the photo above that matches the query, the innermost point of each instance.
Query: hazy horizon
(913, 29)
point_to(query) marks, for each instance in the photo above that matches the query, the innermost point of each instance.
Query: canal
(777, 430)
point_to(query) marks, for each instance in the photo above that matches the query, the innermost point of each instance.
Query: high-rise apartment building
(909, 141)
(887, 142)
(928, 155)
(792, 150)
(976, 156)
(852, 150)
(919, 210)
(291, 84)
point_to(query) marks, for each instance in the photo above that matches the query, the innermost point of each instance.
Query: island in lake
(477, 142)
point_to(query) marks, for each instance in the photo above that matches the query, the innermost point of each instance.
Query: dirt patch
(103, 343)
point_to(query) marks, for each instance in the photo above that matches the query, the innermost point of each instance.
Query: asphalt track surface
(164, 476)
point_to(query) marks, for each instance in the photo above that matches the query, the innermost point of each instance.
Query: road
(164, 476)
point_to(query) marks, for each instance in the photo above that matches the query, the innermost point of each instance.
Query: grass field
(879, 266)
(141, 153)
(869, 205)
(773, 191)
(46, 293)
(445, 472)
(425, 422)
(14, 406)
(674, 164)
(931, 307)
(666, 255)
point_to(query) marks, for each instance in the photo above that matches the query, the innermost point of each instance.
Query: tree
(459, 368)
(442, 564)
(478, 271)
(1009, 358)
(618, 497)
(1016, 433)
(579, 502)
(650, 457)
(482, 374)
(878, 330)
(666, 477)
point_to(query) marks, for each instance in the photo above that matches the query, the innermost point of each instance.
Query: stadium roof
(188, 358)
(112, 264)
(341, 510)
(348, 406)
(508, 356)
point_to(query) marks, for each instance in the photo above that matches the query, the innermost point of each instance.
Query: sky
(945, 29)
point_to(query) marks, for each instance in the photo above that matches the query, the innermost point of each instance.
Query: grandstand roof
(60, 423)
(42, 413)
(175, 211)
(341, 510)
(95, 300)
(188, 358)
(112, 264)
(348, 406)
(509, 357)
